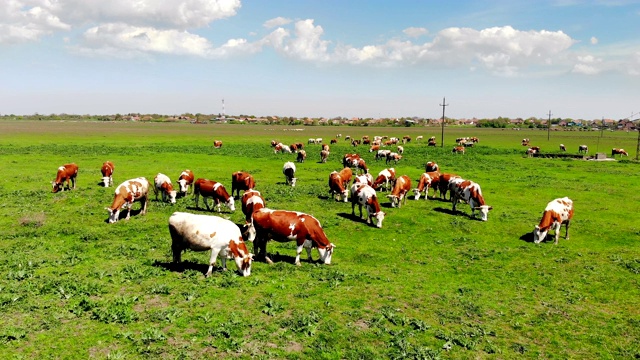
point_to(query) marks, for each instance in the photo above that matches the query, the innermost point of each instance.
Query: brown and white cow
(616, 151)
(66, 173)
(470, 193)
(289, 171)
(302, 155)
(293, 148)
(185, 180)
(382, 154)
(386, 177)
(557, 212)
(432, 143)
(215, 190)
(337, 187)
(374, 148)
(350, 160)
(400, 150)
(324, 156)
(162, 184)
(126, 194)
(395, 157)
(325, 147)
(400, 189)
(107, 173)
(252, 201)
(419, 137)
(362, 194)
(217, 144)
(362, 165)
(431, 166)
(531, 152)
(206, 232)
(525, 142)
(443, 184)
(364, 179)
(333, 141)
(562, 147)
(282, 148)
(274, 143)
(284, 226)
(583, 149)
(427, 180)
(458, 150)
(241, 180)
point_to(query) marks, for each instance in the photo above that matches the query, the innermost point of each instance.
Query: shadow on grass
(528, 237)
(123, 215)
(185, 265)
(457, 213)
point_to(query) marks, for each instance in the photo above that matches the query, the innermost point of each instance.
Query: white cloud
(24, 20)
(275, 22)
(634, 65)
(585, 69)
(594, 40)
(415, 31)
(587, 65)
(306, 44)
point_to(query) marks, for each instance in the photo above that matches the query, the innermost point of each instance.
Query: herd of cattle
(582, 149)
(224, 238)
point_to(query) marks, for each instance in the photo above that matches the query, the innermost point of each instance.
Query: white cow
(289, 171)
(365, 195)
(206, 232)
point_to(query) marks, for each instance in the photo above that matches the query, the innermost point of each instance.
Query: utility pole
(444, 104)
(549, 127)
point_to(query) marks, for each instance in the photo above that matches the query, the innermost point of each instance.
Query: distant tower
(223, 108)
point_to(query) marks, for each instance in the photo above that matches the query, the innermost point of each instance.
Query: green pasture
(430, 284)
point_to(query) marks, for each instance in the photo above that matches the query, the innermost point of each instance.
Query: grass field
(429, 284)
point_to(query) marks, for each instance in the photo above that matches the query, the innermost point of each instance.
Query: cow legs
(212, 261)
(144, 201)
(566, 234)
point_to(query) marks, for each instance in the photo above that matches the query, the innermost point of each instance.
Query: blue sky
(577, 59)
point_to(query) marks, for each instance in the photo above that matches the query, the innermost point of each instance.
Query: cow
(475, 140)
(215, 190)
(282, 148)
(207, 232)
(431, 166)
(620, 152)
(337, 187)
(217, 144)
(400, 150)
(395, 157)
(562, 147)
(362, 194)
(274, 143)
(469, 192)
(531, 152)
(432, 143)
(427, 180)
(386, 177)
(366, 179)
(318, 140)
(406, 139)
(162, 184)
(374, 148)
(302, 155)
(355, 142)
(469, 144)
(338, 136)
(400, 190)
(361, 164)
(333, 141)
(185, 180)
(299, 145)
(458, 150)
(525, 142)
(350, 160)
(346, 175)
(289, 171)
(126, 194)
(293, 148)
(557, 212)
(418, 138)
(443, 184)
(382, 154)
(252, 201)
(241, 180)
(107, 173)
(583, 149)
(311, 141)
(366, 142)
(68, 173)
(324, 155)
(325, 147)
(284, 226)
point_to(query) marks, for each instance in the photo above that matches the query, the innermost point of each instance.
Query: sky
(576, 59)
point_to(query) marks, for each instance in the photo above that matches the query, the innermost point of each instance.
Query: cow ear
(490, 207)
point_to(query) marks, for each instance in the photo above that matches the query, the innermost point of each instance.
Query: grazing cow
(324, 156)
(337, 187)
(364, 179)
(362, 165)
(382, 154)
(458, 150)
(583, 149)
(470, 193)
(318, 140)
(395, 157)
(386, 177)
(432, 143)
(620, 152)
(350, 160)
(444, 181)
(562, 147)
(531, 151)
(338, 136)
(282, 148)
(289, 171)
(475, 140)
(311, 141)
(206, 232)
(274, 143)
(325, 147)
(365, 195)
(252, 201)
(346, 175)
(400, 190)
(525, 142)
(107, 173)
(185, 180)
(241, 180)
(126, 194)
(374, 148)
(431, 166)
(162, 184)
(469, 144)
(427, 180)
(557, 212)
(293, 148)
(299, 145)
(215, 190)
(284, 226)
(366, 142)
(333, 141)
(346, 138)
(217, 144)
(355, 142)
(302, 155)
(400, 149)
(406, 139)
(68, 173)
(418, 138)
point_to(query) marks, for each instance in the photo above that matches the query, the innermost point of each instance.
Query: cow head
(106, 181)
(250, 232)
(344, 195)
(326, 253)
(379, 216)
(113, 215)
(231, 204)
(417, 193)
(244, 264)
(292, 181)
(182, 183)
(484, 211)
(57, 187)
(172, 196)
(539, 234)
(395, 200)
